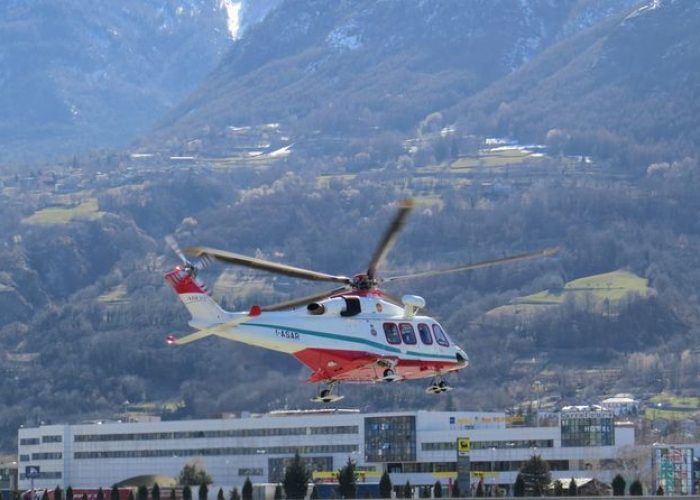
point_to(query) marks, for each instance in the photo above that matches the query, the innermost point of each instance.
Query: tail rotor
(191, 268)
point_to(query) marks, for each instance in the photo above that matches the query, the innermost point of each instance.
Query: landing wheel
(328, 394)
(438, 385)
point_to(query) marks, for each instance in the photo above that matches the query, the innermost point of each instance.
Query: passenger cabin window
(440, 336)
(407, 334)
(424, 333)
(392, 333)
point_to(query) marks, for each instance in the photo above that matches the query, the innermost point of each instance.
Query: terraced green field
(599, 290)
(86, 210)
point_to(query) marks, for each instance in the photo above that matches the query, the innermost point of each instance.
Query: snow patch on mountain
(233, 16)
(347, 37)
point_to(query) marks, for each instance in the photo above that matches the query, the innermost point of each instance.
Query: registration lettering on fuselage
(287, 334)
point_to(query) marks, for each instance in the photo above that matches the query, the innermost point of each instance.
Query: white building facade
(415, 446)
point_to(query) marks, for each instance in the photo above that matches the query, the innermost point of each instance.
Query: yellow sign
(464, 445)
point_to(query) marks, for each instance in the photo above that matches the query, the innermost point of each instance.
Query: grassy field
(598, 290)
(500, 157)
(86, 210)
(117, 295)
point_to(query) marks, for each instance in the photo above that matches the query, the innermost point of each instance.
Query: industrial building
(416, 446)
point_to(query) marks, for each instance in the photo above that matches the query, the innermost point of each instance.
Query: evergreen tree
(193, 475)
(618, 486)
(660, 491)
(57, 493)
(114, 494)
(69, 493)
(636, 488)
(314, 493)
(203, 491)
(296, 479)
(437, 489)
(155, 492)
(425, 492)
(187, 492)
(235, 495)
(142, 492)
(385, 485)
(455, 490)
(347, 484)
(247, 491)
(100, 494)
(519, 486)
(407, 490)
(279, 494)
(220, 494)
(535, 474)
(558, 488)
(480, 488)
(573, 488)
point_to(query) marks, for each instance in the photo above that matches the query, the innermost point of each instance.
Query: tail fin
(204, 311)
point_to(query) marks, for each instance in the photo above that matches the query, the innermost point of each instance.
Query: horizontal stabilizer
(222, 330)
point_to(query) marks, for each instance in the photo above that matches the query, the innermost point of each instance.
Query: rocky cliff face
(354, 64)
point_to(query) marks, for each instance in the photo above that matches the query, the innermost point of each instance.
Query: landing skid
(437, 386)
(328, 395)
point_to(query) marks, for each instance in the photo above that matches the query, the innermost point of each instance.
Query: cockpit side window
(424, 333)
(440, 336)
(407, 333)
(392, 333)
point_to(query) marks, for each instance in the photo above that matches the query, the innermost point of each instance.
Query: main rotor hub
(363, 281)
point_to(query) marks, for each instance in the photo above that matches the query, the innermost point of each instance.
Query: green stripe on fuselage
(346, 338)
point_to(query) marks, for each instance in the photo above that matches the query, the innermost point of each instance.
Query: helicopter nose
(462, 358)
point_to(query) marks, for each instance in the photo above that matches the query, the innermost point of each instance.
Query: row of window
(404, 333)
(42, 475)
(236, 433)
(275, 450)
(486, 445)
(47, 456)
(252, 471)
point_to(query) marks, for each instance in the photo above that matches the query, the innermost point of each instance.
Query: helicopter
(355, 332)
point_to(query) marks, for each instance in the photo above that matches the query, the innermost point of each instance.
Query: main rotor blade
(265, 265)
(487, 263)
(389, 238)
(303, 300)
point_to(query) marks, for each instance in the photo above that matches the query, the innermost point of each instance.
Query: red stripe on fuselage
(361, 366)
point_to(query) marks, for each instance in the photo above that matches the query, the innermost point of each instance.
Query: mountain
(80, 75)
(352, 66)
(628, 87)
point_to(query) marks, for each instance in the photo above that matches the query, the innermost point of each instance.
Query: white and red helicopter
(352, 333)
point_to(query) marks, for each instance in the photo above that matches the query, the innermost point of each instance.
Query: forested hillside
(298, 148)
(348, 67)
(85, 309)
(625, 90)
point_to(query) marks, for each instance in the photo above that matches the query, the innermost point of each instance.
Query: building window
(390, 439)
(43, 475)
(255, 471)
(47, 456)
(51, 439)
(28, 441)
(587, 428)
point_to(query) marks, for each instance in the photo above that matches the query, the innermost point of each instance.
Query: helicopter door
(425, 334)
